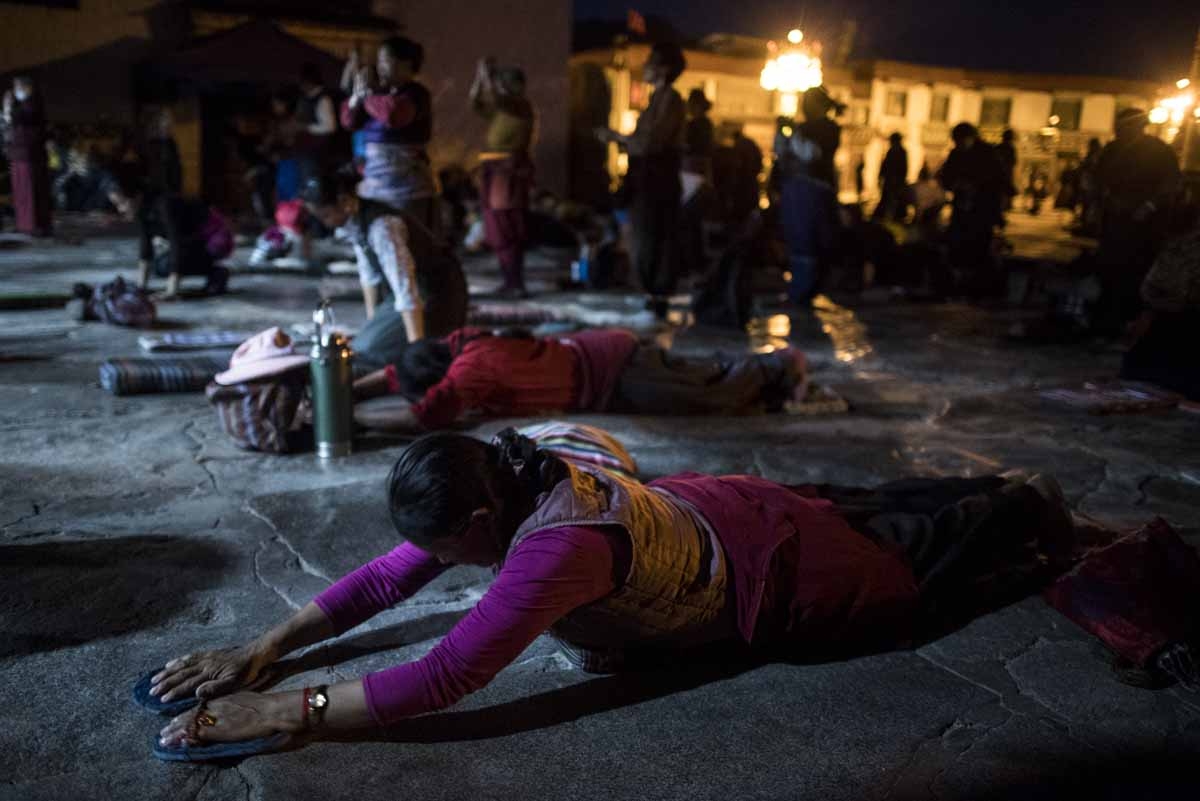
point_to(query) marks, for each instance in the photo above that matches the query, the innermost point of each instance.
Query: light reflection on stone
(848, 334)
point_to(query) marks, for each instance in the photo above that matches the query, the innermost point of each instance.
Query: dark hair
(963, 130)
(405, 49)
(441, 479)
(896, 138)
(326, 188)
(421, 365)
(671, 55)
(424, 363)
(311, 73)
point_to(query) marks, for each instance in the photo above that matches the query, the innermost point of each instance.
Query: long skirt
(31, 196)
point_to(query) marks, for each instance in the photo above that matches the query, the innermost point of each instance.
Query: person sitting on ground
(474, 371)
(621, 574)
(182, 236)
(1169, 327)
(88, 186)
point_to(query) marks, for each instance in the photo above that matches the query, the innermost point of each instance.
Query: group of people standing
(391, 195)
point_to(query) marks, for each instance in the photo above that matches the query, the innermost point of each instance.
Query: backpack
(264, 415)
(118, 303)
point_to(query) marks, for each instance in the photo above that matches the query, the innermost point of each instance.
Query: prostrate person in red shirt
(476, 372)
(620, 573)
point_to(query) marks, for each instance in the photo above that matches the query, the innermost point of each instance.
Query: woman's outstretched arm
(357, 596)
(544, 578)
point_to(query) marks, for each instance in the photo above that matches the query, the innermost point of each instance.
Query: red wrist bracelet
(304, 707)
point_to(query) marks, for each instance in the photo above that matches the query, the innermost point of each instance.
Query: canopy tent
(255, 52)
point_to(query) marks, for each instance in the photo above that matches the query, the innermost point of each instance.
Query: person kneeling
(183, 236)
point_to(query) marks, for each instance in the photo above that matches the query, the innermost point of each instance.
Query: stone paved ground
(131, 530)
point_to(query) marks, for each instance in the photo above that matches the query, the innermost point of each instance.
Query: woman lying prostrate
(615, 570)
(476, 372)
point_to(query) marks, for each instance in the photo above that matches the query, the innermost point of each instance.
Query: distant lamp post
(1190, 146)
(1175, 111)
(791, 70)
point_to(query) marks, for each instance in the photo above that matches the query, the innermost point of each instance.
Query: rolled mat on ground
(139, 376)
(192, 340)
(26, 301)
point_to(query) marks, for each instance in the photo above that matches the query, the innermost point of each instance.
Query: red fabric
(31, 196)
(394, 110)
(603, 354)
(841, 583)
(290, 214)
(1137, 595)
(393, 381)
(349, 117)
(505, 232)
(502, 377)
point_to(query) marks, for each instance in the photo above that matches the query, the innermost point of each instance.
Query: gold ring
(205, 719)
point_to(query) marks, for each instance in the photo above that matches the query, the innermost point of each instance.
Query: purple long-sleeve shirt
(831, 582)
(546, 576)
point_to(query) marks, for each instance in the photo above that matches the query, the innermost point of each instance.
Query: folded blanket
(141, 376)
(192, 340)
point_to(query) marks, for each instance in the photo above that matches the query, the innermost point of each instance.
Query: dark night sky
(1144, 39)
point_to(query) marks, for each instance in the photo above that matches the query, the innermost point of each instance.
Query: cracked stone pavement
(131, 530)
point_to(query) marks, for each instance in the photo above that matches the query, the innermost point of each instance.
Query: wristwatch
(316, 701)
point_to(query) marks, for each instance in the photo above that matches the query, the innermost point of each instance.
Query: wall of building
(32, 35)
(532, 34)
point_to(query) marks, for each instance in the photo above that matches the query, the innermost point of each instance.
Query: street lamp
(791, 70)
(1175, 111)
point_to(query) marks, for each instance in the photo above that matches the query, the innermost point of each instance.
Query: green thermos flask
(332, 386)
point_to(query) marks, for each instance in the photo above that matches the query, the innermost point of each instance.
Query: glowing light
(1182, 83)
(1055, 119)
(792, 69)
(1159, 115)
(789, 104)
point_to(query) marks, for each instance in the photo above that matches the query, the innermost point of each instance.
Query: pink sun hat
(267, 353)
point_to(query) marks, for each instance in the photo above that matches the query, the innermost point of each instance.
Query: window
(1069, 111)
(995, 112)
(939, 108)
(896, 104)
